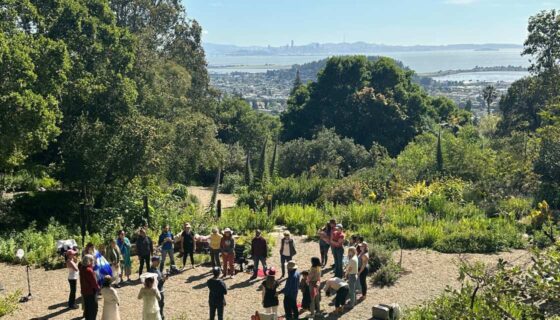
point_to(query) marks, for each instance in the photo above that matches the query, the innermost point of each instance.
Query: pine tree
(248, 170)
(273, 162)
(263, 165)
(439, 154)
(297, 83)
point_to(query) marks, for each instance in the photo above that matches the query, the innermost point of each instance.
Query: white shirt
(286, 250)
(353, 265)
(335, 284)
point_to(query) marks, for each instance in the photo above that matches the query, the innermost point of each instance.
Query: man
(259, 251)
(166, 243)
(216, 297)
(337, 245)
(144, 249)
(290, 292)
(341, 288)
(161, 280)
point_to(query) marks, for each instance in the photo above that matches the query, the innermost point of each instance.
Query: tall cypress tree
(439, 154)
(273, 162)
(263, 165)
(248, 170)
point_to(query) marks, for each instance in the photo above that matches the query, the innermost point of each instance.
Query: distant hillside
(343, 48)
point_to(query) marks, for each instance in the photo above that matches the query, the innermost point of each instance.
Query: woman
(287, 251)
(73, 275)
(110, 300)
(352, 275)
(324, 243)
(150, 295)
(215, 241)
(88, 287)
(314, 280)
(187, 244)
(270, 293)
(124, 246)
(227, 247)
(363, 266)
(115, 258)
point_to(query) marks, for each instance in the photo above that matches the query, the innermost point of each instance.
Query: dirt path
(427, 275)
(204, 195)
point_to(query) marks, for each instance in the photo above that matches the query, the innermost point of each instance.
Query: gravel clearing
(426, 275)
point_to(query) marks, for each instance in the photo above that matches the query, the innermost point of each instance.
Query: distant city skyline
(400, 22)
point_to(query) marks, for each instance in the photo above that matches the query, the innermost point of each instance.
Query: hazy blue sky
(406, 22)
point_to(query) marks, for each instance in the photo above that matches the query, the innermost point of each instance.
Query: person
(306, 295)
(270, 293)
(73, 275)
(359, 245)
(154, 268)
(215, 241)
(216, 296)
(124, 246)
(314, 280)
(227, 247)
(110, 300)
(144, 249)
(337, 246)
(187, 244)
(290, 292)
(363, 266)
(287, 251)
(88, 287)
(150, 296)
(325, 243)
(166, 243)
(259, 251)
(352, 275)
(341, 288)
(89, 249)
(115, 259)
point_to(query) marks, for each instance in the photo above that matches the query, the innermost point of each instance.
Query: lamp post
(19, 254)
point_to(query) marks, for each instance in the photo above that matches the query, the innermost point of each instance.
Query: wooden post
(83, 222)
(146, 209)
(219, 209)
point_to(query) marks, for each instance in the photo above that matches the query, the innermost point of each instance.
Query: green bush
(9, 303)
(243, 220)
(303, 220)
(232, 183)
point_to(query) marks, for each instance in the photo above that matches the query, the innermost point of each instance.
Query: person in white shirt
(352, 274)
(341, 288)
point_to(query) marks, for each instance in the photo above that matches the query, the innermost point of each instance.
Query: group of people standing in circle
(350, 272)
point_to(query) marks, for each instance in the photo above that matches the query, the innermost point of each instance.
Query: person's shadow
(59, 312)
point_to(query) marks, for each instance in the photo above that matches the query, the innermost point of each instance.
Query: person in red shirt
(337, 245)
(88, 287)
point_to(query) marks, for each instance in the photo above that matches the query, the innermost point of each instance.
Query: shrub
(244, 220)
(387, 275)
(304, 220)
(232, 183)
(9, 303)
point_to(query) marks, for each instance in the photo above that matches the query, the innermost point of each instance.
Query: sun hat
(227, 230)
(292, 265)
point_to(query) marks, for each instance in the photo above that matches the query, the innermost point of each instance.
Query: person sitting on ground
(270, 293)
(110, 300)
(287, 251)
(314, 280)
(216, 296)
(124, 245)
(114, 257)
(259, 251)
(290, 292)
(341, 288)
(144, 249)
(166, 243)
(215, 241)
(227, 246)
(306, 294)
(73, 275)
(150, 296)
(187, 244)
(154, 268)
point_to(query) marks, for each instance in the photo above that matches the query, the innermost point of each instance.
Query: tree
(248, 174)
(543, 41)
(263, 164)
(547, 165)
(297, 83)
(469, 105)
(273, 162)
(489, 94)
(439, 155)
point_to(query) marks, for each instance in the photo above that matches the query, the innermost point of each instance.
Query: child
(150, 295)
(270, 293)
(304, 287)
(115, 259)
(110, 300)
(216, 297)
(161, 280)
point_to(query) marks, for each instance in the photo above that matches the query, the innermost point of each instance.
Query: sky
(391, 22)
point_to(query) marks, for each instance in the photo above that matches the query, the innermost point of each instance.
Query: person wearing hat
(270, 293)
(216, 296)
(290, 292)
(73, 274)
(259, 251)
(363, 261)
(166, 242)
(287, 251)
(187, 244)
(110, 300)
(227, 247)
(337, 247)
(161, 280)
